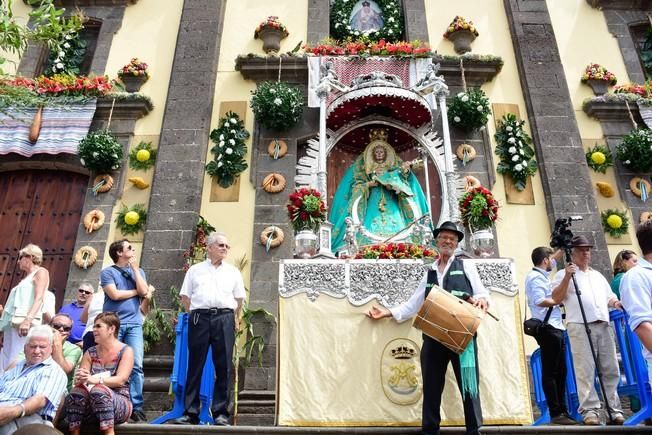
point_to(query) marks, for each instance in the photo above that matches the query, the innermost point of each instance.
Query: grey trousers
(14, 425)
(602, 337)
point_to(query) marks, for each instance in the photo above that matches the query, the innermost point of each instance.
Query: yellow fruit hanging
(615, 221)
(605, 189)
(598, 158)
(132, 218)
(143, 155)
(139, 182)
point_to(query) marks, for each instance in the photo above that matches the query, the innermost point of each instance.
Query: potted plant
(599, 78)
(479, 211)
(635, 151)
(469, 110)
(513, 146)
(277, 105)
(229, 150)
(307, 211)
(462, 33)
(271, 31)
(100, 152)
(133, 75)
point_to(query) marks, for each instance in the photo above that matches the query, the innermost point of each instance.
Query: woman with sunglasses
(24, 305)
(101, 391)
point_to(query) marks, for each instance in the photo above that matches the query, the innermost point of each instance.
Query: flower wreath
(515, 152)
(615, 222)
(131, 220)
(229, 150)
(391, 31)
(599, 158)
(469, 110)
(142, 156)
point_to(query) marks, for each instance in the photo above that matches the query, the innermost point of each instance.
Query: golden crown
(403, 352)
(378, 134)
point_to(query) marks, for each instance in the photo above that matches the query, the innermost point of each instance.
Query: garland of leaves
(160, 320)
(599, 158)
(391, 31)
(513, 146)
(469, 110)
(277, 105)
(229, 150)
(136, 227)
(67, 58)
(100, 152)
(635, 151)
(145, 163)
(615, 222)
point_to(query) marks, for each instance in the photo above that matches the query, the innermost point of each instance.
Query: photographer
(596, 298)
(551, 336)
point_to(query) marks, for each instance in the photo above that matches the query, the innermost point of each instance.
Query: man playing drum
(461, 280)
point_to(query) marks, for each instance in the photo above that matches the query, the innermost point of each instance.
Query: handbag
(20, 314)
(532, 326)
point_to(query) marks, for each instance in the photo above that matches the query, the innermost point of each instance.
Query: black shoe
(222, 420)
(138, 416)
(563, 419)
(185, 419)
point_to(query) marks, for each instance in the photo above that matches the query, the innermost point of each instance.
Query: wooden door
(41, 207)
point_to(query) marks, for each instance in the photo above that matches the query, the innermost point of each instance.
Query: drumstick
(493, 317)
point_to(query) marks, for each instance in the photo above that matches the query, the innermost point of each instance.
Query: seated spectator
(101, 389)
(31, 391)
(74, 310)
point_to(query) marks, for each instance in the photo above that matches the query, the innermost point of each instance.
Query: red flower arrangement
(595, 71)
(306, 209)
(135, 68)
(271, 22)
(197, 250)
(633, 88)
(64, 84)
(460, 23)
(395, 251)
(362, 48)
(478, 208)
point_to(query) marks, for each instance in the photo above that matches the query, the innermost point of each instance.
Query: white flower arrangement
(391, 31)
(277, 105)
(516, 156)
(469, 110)
(229, 162)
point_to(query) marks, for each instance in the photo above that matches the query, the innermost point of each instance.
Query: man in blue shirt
(30, 392)
(636, 292)
(75, 308)
(124, 285)
(551, 335)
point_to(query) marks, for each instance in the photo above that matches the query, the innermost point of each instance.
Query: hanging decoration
(367, 20)
(469, 110)
(640, 187)
(142, 156)
(102, 183)
(605, 189)
(85, 257)
(131, 220)
(635, 151)
(229, 150)
(277, 105)
(465, 152)
(93, 220)
(599, 158)
(274, 183)
(272, 237)
(277, 149)
(645, 216)
(513, 146)
(100, 152)
(139, 182)
(615, 222)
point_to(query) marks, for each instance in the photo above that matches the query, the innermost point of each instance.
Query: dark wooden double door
(41, 207)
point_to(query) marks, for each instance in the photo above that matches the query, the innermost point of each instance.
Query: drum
(448, 319)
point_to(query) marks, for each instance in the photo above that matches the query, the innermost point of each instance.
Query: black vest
(455, 279)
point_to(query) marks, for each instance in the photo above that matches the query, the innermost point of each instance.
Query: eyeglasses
(21, 256)
(129, 248)
(223, 245)
(60, 327)
(86, 292)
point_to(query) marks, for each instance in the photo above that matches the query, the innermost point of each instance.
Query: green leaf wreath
(599, 158)
(100, 152)
(142, 160)
(391, 31)
(229, 150)
(277, 105)
(469, 110)
(513, 146)
(615, 222)
(635, 151)
(121, 221)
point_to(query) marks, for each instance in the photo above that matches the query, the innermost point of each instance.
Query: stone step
(257, 395)
(249, 409)
(259, 420)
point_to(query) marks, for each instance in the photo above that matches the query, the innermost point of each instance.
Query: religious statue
(366, 18)
(351, 236)
(380, 193)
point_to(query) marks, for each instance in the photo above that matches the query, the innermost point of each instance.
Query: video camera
(562, 236)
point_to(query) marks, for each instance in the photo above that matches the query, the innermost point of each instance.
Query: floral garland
(100, 152)
(61, 85)
(460, 23)
(392, 29)
(364, 48)
(513, 146)
(615, 222)
(197, 250)
(469, 110)
(478, 209)
(229, 151)
(599, 158)
(395, 251)
(635, 151)
(277, 105)
(306, 209)
(633, 88)
(142, 156)
(272, 22)
(131, 220)
(68, 57)
(595, 71)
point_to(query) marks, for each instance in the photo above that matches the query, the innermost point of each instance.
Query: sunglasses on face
(85, 292)
(223, 245)
(21, 256)
(63, 328)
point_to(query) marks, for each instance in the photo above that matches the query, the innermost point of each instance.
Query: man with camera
(596, 298)
(550, 335)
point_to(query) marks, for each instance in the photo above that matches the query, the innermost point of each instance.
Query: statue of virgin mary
(379, 192)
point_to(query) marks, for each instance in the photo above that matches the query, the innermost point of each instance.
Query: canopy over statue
(380, 193)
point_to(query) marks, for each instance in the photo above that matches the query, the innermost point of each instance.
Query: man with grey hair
(31, 391)
(75, 308)
(212, 294)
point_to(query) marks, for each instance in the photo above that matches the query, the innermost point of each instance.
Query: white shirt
(95, 308)
(595, 292)
(49, 303)
(410, 307)
(537, 288)
(210, 286)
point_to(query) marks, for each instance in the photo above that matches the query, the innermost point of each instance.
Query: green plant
(142, 156)
(615, 222)
(469, 110)
(599, 158)
(159, 320)
(277, 105)
(68, 58)
(100, 152)
(392, 21)
(635, 151)
(513, 146)
(478, 209)
(131, 220)
(229, 150)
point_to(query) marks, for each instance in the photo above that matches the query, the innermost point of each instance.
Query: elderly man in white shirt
(462, 280)
(597, 297)
(212, 293)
